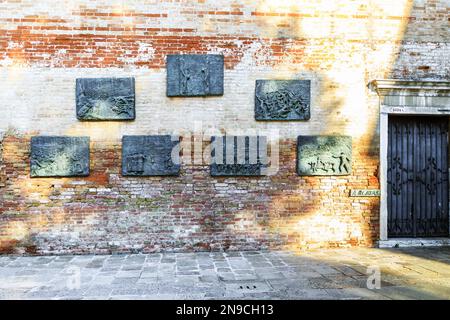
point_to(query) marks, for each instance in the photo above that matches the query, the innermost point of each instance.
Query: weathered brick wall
(339, 46)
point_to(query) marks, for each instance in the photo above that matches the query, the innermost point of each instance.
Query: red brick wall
(340, 47)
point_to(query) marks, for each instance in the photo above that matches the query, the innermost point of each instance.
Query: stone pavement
(413, 273)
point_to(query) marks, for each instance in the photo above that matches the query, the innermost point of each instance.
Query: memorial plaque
(105, 99)
(193, 75)
(150, 155)
(324, 155)
(238, 156)
(53, 156)
(282, 99)
(365, 193)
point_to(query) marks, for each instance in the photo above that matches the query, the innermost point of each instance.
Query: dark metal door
(417, 177)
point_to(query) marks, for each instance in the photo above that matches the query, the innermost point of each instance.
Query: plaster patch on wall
(253, 54)
(6, 62)
(145, 53)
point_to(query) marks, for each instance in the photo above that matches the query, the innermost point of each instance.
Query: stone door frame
(405, 97)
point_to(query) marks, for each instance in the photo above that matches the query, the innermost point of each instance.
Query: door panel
(417, 177)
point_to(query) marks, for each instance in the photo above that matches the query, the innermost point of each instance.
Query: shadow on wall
(346, 45)
(342, 48)
(425, 47)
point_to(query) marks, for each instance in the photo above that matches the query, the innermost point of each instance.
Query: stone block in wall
(105, 99)
(59, 156)
(324, 155)
(156, 155)
(238, 155)
(282, 99)
(193, 75)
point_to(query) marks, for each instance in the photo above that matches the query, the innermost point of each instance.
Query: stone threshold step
(414, 242)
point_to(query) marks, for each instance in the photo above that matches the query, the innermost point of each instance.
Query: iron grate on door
(417, 177)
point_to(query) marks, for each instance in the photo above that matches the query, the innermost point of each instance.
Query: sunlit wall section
(339, 45)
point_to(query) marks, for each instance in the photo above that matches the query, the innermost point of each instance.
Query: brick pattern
(45, 45)
(80, 34)
(107, 212)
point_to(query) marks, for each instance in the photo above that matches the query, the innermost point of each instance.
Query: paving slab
(349, 273)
